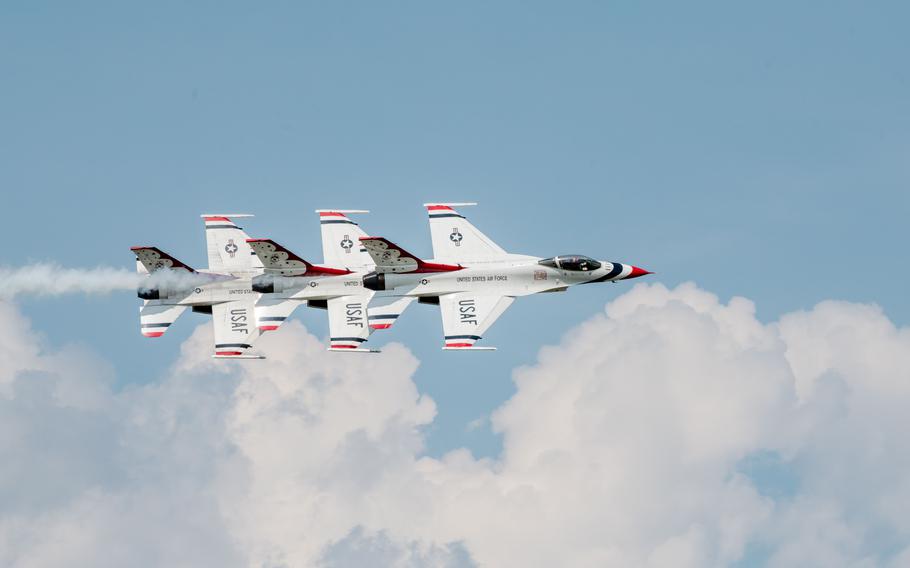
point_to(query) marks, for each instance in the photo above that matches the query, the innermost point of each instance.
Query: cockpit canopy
(573, 262)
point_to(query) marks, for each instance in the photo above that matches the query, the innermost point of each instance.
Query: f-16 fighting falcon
(354, 311)
(224, 290)
(472, 279)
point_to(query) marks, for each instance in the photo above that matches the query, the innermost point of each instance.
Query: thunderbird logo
(347, 244)
(231, 248)
(456, 237)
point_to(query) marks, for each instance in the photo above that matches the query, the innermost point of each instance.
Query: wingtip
(229, 215)
(447, 204)
(352, 350)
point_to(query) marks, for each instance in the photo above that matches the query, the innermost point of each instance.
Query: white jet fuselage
(306, 288)
(521, 276)
(204, 288)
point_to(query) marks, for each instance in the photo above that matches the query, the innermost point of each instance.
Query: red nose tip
(636, 272)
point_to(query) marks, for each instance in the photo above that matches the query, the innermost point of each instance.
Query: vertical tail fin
(341, 245)
(228, 250)
(455, 239)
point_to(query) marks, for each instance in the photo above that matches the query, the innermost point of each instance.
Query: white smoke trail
(47, 279)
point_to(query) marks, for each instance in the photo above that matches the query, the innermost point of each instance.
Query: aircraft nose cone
(636, 272)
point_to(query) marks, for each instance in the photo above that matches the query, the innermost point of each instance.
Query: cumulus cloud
(671, 430)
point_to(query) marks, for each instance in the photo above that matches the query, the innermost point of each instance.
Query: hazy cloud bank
(673, 430)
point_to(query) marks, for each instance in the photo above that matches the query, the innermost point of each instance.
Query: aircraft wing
(392, 258)
(467, 316)
(348, 327)
(152, 259)
(235, 328)
(384, 310)
(278, 260)
(271, 313)
(156, 318)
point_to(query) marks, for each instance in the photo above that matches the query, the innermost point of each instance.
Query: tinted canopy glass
(573, 262)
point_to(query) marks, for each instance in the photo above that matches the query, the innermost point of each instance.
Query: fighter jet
(289, 281)
(224, 290)
(472, 279)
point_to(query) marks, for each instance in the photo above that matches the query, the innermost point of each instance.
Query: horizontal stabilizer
(271, 313)
(384, 311)
(472, 348)
(155, 319)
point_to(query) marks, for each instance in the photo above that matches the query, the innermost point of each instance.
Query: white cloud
(359, 549)
(624, 445)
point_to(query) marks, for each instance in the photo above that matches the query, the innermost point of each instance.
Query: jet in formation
(224, 290)
(364, 283)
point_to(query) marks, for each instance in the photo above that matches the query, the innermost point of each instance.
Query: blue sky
(757, 149)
